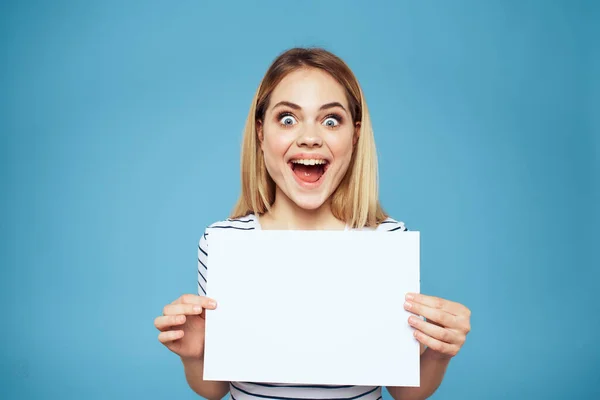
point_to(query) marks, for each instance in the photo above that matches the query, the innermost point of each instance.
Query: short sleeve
(202, 263)
(392, 225)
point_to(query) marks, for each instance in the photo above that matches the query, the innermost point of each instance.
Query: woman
(309, 162)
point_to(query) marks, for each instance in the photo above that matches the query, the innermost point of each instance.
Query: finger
(182, 309)
(436, 332)
(437, 302)
(169, 336)
(449, 350)
(166, 322)
(204, 301)
(432, 322)
(443, 318)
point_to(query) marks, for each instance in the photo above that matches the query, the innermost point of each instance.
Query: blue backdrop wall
(120, 129)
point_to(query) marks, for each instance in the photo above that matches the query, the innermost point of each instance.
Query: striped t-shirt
(255, 391)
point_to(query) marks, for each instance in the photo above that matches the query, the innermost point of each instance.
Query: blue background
(120, 131)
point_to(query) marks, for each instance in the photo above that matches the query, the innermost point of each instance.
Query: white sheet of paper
(312, 307)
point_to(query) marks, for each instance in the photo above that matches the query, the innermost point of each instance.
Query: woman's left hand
(447, 325)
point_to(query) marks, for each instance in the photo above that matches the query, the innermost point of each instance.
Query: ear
(356, 133)
(259, 132)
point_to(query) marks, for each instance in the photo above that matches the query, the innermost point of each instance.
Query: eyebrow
(323, 107)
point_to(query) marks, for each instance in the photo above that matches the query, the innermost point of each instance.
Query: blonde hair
(356, 199)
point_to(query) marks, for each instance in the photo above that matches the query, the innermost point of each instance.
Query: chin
(309, 203)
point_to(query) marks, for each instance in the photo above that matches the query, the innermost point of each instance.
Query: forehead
(309, 88)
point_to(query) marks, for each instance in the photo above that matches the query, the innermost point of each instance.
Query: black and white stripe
(391, 225)
(247, 223)
(267, 391)
(247, 390)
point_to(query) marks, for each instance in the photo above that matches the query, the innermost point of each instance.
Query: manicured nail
(407, 305)
(412, 320)
(197, 308)
(410, 296)
(212, 303)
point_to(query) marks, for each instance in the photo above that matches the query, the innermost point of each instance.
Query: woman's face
(307, 137)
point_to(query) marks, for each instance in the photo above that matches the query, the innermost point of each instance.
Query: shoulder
(246, 223)
(391, 225)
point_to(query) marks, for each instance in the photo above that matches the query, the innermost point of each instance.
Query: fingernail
(410, 296)
(412, 320)
(212, 303)
(407, 305)
(197, 308)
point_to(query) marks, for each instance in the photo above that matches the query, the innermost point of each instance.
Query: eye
(287, 120)
(331, 121)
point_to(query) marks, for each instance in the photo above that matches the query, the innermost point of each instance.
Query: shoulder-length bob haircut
(356, 199)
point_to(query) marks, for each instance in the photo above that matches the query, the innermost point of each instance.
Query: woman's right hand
(182, 325)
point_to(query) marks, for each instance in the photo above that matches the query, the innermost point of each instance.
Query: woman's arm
(443, 332)
(194, 366)
(194, 371)
(433, 369)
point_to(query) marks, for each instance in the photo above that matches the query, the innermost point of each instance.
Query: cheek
(274, 147)
(341, 147)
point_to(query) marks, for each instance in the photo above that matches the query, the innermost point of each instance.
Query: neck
(285, 214)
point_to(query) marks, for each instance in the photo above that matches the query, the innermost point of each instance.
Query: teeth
(309, 162)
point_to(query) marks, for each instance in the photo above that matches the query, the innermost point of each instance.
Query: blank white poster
(312, 307)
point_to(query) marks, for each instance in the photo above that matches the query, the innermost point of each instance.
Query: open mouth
(309, 170)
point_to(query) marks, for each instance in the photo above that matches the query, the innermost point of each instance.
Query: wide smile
(309, 172)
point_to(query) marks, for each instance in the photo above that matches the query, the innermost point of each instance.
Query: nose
(309, 138)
